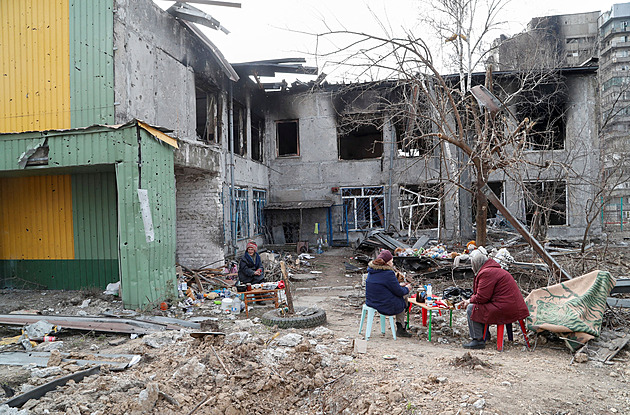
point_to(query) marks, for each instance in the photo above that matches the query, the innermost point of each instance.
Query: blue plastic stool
(370, 315)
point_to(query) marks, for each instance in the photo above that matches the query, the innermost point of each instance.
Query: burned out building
(92, 190)
(357, 163)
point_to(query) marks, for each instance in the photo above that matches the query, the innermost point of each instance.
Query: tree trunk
(481, 217)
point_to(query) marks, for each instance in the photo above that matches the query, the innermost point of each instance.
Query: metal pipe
(549, 260)
(231, 148)
(389, 210)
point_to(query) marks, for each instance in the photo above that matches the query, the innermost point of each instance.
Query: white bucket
(226, 304)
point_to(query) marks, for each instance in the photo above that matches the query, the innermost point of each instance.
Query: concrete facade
(319, 173)
(159, 67)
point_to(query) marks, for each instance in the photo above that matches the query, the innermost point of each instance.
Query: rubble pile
(247, 371)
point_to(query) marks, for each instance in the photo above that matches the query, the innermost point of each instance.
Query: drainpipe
(388, 213)
(231, 148)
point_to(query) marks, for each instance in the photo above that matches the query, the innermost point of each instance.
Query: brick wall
(199, 219)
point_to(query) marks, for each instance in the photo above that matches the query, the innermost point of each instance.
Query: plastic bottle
(236, 305)
(429, 292)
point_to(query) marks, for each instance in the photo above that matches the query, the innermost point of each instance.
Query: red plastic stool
(509, 333)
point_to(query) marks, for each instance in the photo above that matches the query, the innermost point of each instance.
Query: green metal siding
(91, 62)
(152, 263)
(53, 274)
(146, 269)
(94, 209)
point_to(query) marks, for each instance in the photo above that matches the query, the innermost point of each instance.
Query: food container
(241, 288)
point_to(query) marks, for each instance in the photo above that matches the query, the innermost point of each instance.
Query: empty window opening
(411, 138)
(365, 207)
(257, 133)
(420, 207)
(238, 129)
(242, 213)
(360, 137)
(260, 200)
(207, 107)
(545, 106)
(545, 204)
(287, 135)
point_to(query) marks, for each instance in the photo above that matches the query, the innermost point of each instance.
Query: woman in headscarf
(250, 269)
(384, 293)
(496, 298)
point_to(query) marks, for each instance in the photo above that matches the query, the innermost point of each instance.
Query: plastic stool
(370, 318)
(509, 333)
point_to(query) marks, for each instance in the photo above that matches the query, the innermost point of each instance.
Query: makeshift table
(428, 309)
(260, 295)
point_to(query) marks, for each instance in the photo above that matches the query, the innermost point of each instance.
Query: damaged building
(358, 165)
(129, 144)
(582, 40)
(92, 191)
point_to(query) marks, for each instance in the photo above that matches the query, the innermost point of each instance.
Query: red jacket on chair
(497, 298)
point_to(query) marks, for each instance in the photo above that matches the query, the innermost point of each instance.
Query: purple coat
(497, 298)
(383, 291)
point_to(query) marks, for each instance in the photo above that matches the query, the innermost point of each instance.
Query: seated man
(250, 269)
(384, 293)
(496, 298)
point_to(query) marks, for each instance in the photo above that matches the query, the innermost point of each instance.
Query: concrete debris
(290, 340)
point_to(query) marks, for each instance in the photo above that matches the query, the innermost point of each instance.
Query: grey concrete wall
(312, 174)
(577, 163)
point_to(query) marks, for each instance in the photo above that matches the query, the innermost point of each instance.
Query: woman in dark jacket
(250, 269)
(384, 293)
(496, 298)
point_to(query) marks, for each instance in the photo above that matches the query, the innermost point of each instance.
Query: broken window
(287, 138)
(545, 106)
(411, 137)
(420, 207)
(360, 137)
(207, 108)
(260, 199)
(257, 132)
(238, 129)
(365, 207)
(546, 203)
(497, 189)
(242, 213)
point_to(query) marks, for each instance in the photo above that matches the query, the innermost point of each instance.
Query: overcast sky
(270, 29)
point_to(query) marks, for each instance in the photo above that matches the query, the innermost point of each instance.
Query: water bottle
(236, 305)
(429, 292)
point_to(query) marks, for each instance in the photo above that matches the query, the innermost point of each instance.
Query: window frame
(259, 200)
(297, 138)
(353, 220)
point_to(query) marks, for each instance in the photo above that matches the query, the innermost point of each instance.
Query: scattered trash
(113, 289)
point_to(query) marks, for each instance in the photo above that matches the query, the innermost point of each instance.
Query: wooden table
(426, 309)
(260, 295)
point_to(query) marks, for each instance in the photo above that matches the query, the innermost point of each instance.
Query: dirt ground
(256, 369)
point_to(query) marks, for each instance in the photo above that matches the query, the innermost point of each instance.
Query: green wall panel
(91, 62)
(94, 213)
(57, 274)
(146, 268)
(152, 263)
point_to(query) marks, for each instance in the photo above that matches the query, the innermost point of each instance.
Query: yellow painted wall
(36, 217)
(34, 65)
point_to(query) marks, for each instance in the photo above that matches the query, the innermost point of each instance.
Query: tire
(273, 318)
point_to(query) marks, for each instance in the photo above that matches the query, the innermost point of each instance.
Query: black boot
(401, 332)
